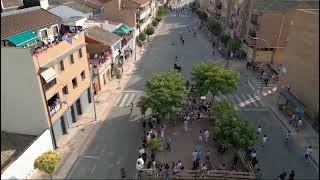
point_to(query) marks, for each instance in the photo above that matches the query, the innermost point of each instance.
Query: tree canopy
(142, 36)
(155, 23)
(234, 44)
(224, 38)
(232, 129)
(165, 93)
(48, 162)
(215, 27)
(149, 30)
(214, 79)
(202, 15)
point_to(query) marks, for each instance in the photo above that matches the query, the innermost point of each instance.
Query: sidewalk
(78, 138)
(307, 135)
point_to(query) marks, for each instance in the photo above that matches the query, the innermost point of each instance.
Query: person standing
(291, 175)
(264, 140)
(259, 130)
(235, 161)
(194, 158)
(299, 124)
(168, 143)
(288, 135)
(123, 173)
(185, 123)
(307, 153)
(200, 136)
(206, 135)
(162, 129)
(283, 175)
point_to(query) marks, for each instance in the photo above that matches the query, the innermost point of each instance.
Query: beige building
(271, 22)
(134, 13)
(302, 60)
(44, 74)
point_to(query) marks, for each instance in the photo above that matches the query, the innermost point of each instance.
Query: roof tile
(98, 34)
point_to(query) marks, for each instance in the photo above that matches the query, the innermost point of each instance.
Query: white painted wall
(22, 106)
(23, 166)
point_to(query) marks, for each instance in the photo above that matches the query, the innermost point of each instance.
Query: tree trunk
(148, 38)
(50, 176)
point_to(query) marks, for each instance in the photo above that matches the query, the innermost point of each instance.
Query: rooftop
(280, 5)
(11, 3)
(19, 21)
(79, 5)
(13, 145)
(102, 36)
(66, 12)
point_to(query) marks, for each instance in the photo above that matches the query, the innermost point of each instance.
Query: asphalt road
(116, 143)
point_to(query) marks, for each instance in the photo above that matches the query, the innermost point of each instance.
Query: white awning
(49, 74)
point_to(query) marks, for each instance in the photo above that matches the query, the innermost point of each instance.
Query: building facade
(54, 80)
(302, 60)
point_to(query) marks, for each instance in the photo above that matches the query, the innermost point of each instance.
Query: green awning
(123, 30)
(23, 39)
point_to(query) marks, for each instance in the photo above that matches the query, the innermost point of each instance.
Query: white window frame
(41, 34)
(56, 25)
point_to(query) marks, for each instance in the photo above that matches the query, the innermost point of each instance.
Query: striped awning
(23, 39)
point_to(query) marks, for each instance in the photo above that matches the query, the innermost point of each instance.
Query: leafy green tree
(215, 27)
(149, 31)
(214, 79)
(224, 38)
(158, 18)
(142, 36)
(234, 44)
(202, 16)
(155, 23)
(166, 93)
(231, 129)
(48, 162)
(155, 144)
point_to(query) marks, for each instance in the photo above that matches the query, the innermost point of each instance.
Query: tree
(166, 93)
(48, 162)
(234, 44)
(155, 23)
(155, 144)
(215, 27)
(158, 18)
(142, 36)
(224, 38)
(214, 79)
(149, 31)
(231, 129)
(202, 16)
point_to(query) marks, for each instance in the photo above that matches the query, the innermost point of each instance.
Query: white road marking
(123, 100)
(94, 157)
(94, 167)
(253, 99)
(130, 99)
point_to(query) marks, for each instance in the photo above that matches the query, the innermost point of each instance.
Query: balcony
(49, 50)
(141, 14)
(54, 105)
(126, 39)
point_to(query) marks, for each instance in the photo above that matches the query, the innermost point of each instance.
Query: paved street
(116, 142)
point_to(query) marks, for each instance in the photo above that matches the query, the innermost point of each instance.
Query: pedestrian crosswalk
(127, 97)
(243, 101)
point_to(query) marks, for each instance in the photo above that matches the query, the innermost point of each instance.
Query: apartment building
(270, 22)
(134, 13)
(302, 60)
(45, 74)
(102, 45)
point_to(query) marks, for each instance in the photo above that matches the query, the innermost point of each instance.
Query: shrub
(48, 162)
(142, 36)
(155, 23)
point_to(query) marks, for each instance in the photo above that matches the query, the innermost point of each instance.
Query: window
(65, 90)
(61, 66)
(83, 76)
(80, 53)
(71, 59)
(50, 84)
(55, 30)
(43, 34)
(74, 83)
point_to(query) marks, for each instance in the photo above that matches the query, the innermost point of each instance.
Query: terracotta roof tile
(98, 34)
(19, 21)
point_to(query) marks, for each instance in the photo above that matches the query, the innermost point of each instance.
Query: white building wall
(22, 104)
(22, 168)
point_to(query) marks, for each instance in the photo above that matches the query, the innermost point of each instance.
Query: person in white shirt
(299, 124)
(259, 129)
(200, 137)
(141, 151)
(185, 123)
(140, 163)
(206, 135)
(307, 153)
(264, 140)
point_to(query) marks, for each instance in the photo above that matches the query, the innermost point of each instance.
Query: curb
(287, 127)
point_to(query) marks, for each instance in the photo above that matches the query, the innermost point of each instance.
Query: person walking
(307, 153)
(162, 129)
(264, 140)
(123, 173)
(168, 143)
(194, 158)
(182, 41)
(206, 135)
(288, 135)
(291, 175)
(282, 176)
(185, 123)
(259, 130)
(200, 136)
(131, 108)
(299, 124)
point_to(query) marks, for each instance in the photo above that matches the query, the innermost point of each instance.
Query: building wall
(64, 78)
(23, 109)
(302, 60)
(22, 168)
